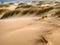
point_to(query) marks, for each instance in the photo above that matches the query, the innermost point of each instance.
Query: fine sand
(26, 31)
(30, 29)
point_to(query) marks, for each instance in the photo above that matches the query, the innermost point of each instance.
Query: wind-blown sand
(26, 31)
(30, 29)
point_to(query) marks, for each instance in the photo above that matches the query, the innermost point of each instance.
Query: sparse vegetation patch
(7, 14)
(44, 10)
(25, 11)
(3, 10)
(4, 5)
(57, 13)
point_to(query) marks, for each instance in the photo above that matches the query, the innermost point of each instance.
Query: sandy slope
(15, 23)
(26, 31)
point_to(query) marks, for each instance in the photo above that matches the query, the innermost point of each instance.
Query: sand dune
(30, 29)
(26, 31)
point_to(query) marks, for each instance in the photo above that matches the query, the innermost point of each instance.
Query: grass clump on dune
(3, 10)
(10, 13)
(32, 10)
(42, 10)
(57, 6)
(42, 41)
(7, 14)
(4, 5)
(11, 3)
(57, 13)
(17, 11)
(22, 3)
(27, 6)
(24, 6)
(25, 11)
(48, 8)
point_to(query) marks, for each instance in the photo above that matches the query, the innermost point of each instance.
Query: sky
(28, 0)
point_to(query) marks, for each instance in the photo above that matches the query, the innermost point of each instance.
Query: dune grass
(10, 13)
(57, 6)
(37, 10)
(42, 10)
(4, 5)
(25, 11)
(22, 3)
(42, 40)
(7, 14)
(24, 6)
(33, 10)
(57, 13)
(17, 11)
(10, 3)
(3, 10)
